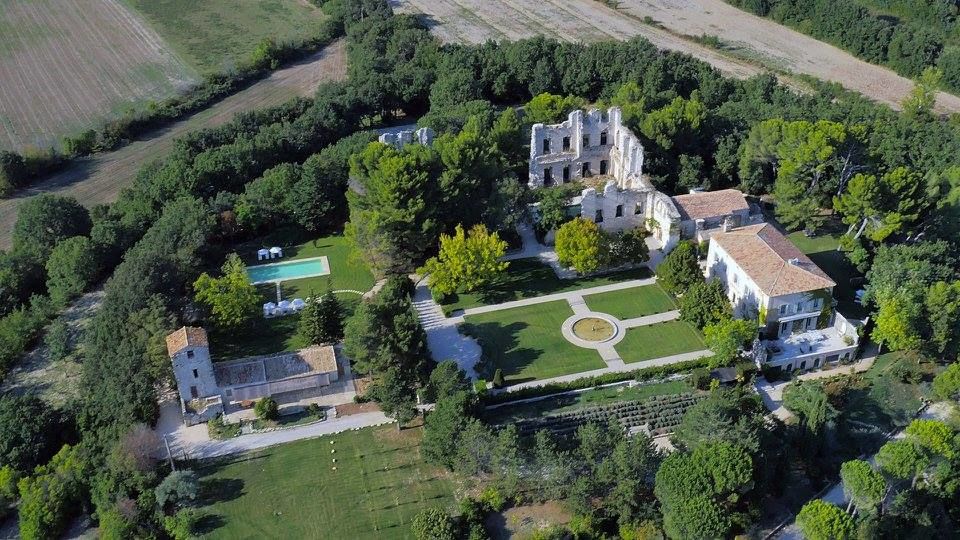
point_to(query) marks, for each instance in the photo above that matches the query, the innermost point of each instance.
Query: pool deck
(322, 259)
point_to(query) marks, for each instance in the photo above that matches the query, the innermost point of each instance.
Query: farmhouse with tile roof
(767, 277)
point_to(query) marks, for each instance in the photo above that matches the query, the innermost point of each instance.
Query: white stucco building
(770, 280)
(205, 387)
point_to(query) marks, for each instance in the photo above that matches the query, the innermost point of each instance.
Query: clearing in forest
(67, 65)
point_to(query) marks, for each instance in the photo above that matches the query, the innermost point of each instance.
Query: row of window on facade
(802, 366)
(586, 171)
(566, 142)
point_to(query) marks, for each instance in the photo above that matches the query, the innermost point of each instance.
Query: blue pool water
(274, 272)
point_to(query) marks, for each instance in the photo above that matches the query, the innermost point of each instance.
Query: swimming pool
(285, 271)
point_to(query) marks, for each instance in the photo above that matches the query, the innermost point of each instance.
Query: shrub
(700, 378)
(498, 378)
(433, 524)
(492, 497)
(266, 409)
(178, 490)
(57, 340)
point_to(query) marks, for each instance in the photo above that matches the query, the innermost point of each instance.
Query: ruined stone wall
(402, 138)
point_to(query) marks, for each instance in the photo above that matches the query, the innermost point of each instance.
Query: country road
(100, 178)
(749, 44)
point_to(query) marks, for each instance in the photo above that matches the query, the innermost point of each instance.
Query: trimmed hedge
(642, 374)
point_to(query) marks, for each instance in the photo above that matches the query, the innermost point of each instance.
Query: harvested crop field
(748, 43)
(213, 35)
(66, 65)
(99, 179)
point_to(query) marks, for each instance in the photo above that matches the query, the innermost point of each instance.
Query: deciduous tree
(466, 262)
(231, 298)
(582, 245)
(727, 337)
(679, 270)
(705, 303)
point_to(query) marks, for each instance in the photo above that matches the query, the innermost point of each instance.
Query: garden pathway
(651, 319)
(569, 296)
(195, 448)
(612, 367)
(443, 339)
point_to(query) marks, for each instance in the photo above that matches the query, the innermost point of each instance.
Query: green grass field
(589, 398)
(526, 342)
(527, 278)
(212, 35)
(657, 340)
(280, 333)
(630, 303)
(291, 491)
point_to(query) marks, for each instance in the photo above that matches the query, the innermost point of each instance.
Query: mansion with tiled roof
(767, 277)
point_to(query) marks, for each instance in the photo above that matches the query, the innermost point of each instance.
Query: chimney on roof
(794, 261)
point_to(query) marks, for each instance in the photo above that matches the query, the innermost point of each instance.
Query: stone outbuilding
(205, 387)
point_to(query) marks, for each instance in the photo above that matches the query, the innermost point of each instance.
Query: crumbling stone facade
(596, 149)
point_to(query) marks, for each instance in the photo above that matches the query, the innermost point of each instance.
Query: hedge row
(17, 171)
(643, 374)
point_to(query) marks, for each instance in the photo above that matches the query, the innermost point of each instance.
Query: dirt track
(749, 42)
(67, 64)
(99, 179)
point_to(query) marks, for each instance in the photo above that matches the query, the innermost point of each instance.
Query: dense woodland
(891, 178)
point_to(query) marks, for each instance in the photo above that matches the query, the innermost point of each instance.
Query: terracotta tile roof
(708, 204)
(186, 336)
(764, 254)
(276, 367)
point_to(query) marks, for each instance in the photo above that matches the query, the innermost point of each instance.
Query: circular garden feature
(593, 329)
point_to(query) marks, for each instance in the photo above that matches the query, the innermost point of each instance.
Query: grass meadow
(293, 491)
(213, 35)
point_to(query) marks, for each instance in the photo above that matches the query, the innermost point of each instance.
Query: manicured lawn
(292, 491)
(657, 340)
(267, 336)
(527, 278)
(570, 402)
(214, 34)
(526, 342)
(629, 303)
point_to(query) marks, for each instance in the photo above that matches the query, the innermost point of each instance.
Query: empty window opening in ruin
(586, 141)
(566, 173)
(566, 144)
(585, 169)
(546, 146)
(603, 138)
(548, 176)
(619, 210)
(599, 216)
(603, 166)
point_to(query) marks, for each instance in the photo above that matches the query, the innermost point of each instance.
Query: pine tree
(330, 318)
(311, 321)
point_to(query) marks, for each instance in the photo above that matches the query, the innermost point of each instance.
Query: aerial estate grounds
(581, 328)
(374, 489)
(346, 273)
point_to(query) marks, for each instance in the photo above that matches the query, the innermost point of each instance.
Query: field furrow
(66, 64)
(100, 178)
